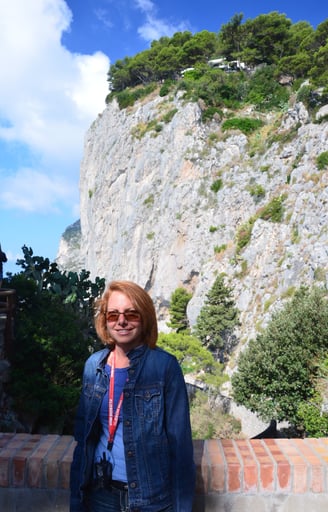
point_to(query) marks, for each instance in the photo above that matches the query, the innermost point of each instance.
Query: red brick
(298, 464)
(317, 473)
(233, 466)
(266, 464)
(35, 464)
(7, 454)
(249, 465)
(283, 469)
(217, 466)
(51, 462)
(20, 459)
(65, 464)
(271, 465)
(320, 447)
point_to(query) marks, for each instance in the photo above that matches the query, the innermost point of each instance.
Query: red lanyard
(112, 418)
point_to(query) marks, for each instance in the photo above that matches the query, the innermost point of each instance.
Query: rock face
(70, 255)
(163, 195)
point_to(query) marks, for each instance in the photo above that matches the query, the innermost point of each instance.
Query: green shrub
(264, 91)
(257, 192)
(244, 234)
(210, 112)
(284, 137)
(213, 137)
(149, 201)
(312, 419)
(244, 124)
(216, 185)
(166, 87)
(125, 99)
(158, 127)
(169, 115)
(322, 161)
(220, 248)
(128, 97)
(193, 357)
(319, 274)
(274, 210)
(310, 97)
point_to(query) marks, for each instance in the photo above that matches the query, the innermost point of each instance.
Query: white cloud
(103, 17)
(31, 190)
(145, 5)
(48, 99)
(154, 27)
(89, 89)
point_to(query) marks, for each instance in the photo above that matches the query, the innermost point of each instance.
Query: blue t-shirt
(116, 455)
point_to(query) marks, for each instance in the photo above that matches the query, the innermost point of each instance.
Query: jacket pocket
(93, 390)
(148, 403)
(88, 390)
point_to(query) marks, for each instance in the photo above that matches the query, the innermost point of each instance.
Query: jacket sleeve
(180, 438)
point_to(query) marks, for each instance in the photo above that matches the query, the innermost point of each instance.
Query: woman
(134, 448)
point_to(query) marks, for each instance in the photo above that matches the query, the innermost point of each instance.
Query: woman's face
(126, 332)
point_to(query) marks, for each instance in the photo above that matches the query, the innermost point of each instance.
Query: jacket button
(130, 453)
(133, 485)
(127, 423)
(126, 394)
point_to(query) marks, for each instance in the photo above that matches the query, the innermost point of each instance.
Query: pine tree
(178, 310)
(217, 320)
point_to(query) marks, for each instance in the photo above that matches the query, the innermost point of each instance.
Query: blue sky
(54, 57)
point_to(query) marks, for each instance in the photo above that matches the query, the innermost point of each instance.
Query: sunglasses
(130, 316)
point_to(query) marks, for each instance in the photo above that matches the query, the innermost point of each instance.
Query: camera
(103, 473)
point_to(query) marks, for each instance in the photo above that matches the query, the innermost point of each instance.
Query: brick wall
(35, 461)
(267, 475)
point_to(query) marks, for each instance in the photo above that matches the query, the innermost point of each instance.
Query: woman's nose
(121, 319)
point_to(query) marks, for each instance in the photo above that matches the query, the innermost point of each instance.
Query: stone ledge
(262, 475)
(284, 466)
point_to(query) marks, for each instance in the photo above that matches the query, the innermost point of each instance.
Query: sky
(55, 56)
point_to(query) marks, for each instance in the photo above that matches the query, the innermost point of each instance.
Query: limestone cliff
(164, 194)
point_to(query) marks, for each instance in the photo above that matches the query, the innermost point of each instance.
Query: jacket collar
(133, 355)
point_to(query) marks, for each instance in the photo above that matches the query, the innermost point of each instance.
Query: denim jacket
(156, 432)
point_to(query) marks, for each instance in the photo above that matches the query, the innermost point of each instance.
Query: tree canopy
(268, 39)
(194, 359)
(278, 371)
(53, 336)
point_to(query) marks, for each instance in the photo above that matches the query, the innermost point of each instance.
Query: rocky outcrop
(163, 195)
(70, 256)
